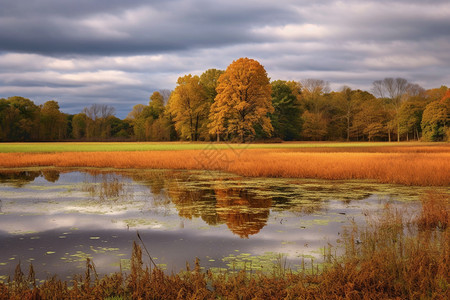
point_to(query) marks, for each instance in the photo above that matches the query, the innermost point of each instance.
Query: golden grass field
(409, 164)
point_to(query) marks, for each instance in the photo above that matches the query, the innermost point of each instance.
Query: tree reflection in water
(19, 179)
(51, 175)
(243, 205)
(243, 213)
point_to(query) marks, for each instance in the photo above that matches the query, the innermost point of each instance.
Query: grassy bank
(395, 256)
(174, 146)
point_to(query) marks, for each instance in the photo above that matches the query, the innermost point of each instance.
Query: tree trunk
(348, 128)
(196, 128)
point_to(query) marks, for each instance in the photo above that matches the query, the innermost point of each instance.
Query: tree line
(242, 104)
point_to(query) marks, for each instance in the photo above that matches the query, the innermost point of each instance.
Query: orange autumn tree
(243, 101)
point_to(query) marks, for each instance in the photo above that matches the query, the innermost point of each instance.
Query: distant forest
(242, 104)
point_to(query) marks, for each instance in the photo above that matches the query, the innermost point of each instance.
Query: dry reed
(408, 165)
(435, 211)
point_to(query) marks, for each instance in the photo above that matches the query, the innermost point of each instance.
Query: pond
(55, 219)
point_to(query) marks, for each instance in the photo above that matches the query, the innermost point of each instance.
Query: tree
(156, 105)
(436, 120)
(312, 92)
(348, 103)
(371, 119)
(136, 112)
(119, 128)
(436, 94)
(53, 122)
(397, 90)
(138, 121)
(97, 115)
(314, 126)
(409, 117)
(4, 125)
(243, 100)
(209, 80)
(286, 118)
(19, 119)
(157, 123)
(348, 106)
(189, 107)
(165, 93)
(79, 126)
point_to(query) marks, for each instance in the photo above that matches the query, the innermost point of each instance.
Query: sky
(119, 52)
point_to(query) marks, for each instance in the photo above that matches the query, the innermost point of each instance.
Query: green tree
(137, 119)
(4, 125)
(286, 118)
(118, 128)
(20, 119)
(243, 101)
(209, 80)
(436, 120)
(410, 117)
(397, 90)
(79, 126)
(53, 122)
(156, 105)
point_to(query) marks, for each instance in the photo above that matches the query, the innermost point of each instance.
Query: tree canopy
(189, 107)
(243, 101)
(242, 104)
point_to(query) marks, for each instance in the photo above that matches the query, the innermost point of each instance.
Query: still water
(55, 219)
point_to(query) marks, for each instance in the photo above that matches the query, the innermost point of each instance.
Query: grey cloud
(136, 28)
(118, 52)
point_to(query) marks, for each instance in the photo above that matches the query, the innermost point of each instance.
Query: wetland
(56, 218)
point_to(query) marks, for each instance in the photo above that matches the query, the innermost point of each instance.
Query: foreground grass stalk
(394, 257)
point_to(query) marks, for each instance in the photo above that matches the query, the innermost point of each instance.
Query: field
(402, 163)
(176, 146)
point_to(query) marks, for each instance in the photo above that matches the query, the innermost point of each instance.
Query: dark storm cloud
(118, 52)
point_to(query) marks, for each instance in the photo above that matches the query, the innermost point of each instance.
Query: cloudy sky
(118, 52)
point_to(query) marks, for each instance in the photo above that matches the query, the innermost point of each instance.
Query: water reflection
(58, 217)
(104, 186)
(241, 210)
(19, 179)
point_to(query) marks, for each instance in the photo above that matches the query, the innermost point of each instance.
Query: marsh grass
(435, 211)
(397, 255)
(412, 165)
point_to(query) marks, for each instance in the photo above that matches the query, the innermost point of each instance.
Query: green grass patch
(168, 146)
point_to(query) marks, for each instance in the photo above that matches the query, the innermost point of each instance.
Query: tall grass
(395, 256)
(435, 211)
(413, 167)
